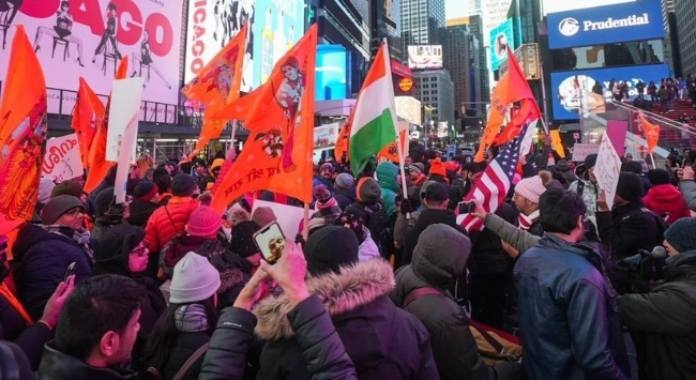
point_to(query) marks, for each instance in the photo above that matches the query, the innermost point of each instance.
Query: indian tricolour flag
(374, 120)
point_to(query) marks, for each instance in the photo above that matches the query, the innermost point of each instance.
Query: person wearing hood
(344, 190)
(663, 321)
(122, 251)
(586, 185)
(107, 213)
(439, 259)
(665, 199)
(43, 253)
(146, 199)
(383, 341)
(387, 174)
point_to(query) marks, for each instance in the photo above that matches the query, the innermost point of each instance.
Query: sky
(456, 8)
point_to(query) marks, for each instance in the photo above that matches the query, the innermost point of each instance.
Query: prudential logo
(569, 26)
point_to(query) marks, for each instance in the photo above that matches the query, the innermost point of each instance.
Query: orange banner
(88, 113)
(651, 132)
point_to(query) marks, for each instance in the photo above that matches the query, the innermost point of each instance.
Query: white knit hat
(531, 188)
(194, 279)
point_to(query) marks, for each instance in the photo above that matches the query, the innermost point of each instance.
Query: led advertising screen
(555, 6)
(275, 27)
(571, 90)
(636, 21)
(331, 83)
(89, 39)
(502, 37)
(425, 57)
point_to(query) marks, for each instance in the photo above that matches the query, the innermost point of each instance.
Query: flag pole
(305, 224)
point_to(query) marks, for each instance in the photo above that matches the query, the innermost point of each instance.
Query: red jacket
(667, 201)
(168, 221)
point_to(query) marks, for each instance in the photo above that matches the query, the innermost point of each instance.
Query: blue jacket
(568, 314)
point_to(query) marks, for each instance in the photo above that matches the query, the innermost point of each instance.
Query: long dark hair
(162, 340)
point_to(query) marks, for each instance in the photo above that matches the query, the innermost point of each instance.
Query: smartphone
(70, 271)
(270, 241)
(466, 207)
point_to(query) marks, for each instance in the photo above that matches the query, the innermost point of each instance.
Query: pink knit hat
(203, 222)
(530, 188)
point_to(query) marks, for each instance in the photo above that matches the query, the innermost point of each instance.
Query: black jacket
(427, 217)
(437, 263)
(663, 322)
(344, 197)
(185, 345)
(568, 314)
(322, 349)
(140, 212)
(487, 254)
(629, 228)
(30, 339)
(383, 341)
(56, 365)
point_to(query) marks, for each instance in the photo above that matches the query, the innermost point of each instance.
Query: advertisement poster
(425, 56)
(325, 136)
(331, 73)
(275, 27)
(62, 159)
(501, 37)
(74, 38)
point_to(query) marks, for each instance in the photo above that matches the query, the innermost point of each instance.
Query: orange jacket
(168, 221)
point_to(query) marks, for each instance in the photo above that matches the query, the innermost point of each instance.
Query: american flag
(495, 181)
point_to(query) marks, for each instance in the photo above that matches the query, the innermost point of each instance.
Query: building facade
(460, 51)
(435, 90)
(421, 22)
(685, 23)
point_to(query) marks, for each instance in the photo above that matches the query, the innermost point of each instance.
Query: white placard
(123, 119)
(325, 136)
(607, 169)
(582, 150)
(61, 161)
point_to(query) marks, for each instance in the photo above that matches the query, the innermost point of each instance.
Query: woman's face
(138, 258)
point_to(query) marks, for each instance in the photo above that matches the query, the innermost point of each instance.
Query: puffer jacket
(666, 201)
(568, 314)
(168, 221)
(663, 322)
(322, 349)
(386, 176)
(438, 260)
(383, 341)
(56, 365)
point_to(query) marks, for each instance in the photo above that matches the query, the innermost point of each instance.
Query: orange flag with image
(96, 159)
(341, 148)
(278, 153)
(391, 151)
(23, 130)
(651, 132)
(217, 84)
(88, 113)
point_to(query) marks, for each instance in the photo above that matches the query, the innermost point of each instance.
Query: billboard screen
(88, 38)
(331, 74)
(275, 27)
(555, 6)
(571, 89)
(640, 20)
(501, 37)
(425, 57)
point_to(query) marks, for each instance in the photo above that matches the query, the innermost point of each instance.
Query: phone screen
(465, 207)
(271, 242)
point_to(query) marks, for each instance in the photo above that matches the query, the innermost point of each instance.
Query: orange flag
(87, 114)
(556, 143)
(278, 153)
(391, 151)
(23, 130)
(98, 166)
(651, 132)
(512, 87)
(341, 148)
(217, 84)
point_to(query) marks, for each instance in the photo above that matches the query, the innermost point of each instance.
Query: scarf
(526, 221)
(191, 318)
(81, 237)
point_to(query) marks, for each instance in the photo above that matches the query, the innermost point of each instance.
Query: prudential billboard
(640, 20)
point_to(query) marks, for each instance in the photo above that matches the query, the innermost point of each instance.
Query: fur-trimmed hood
(355, 286)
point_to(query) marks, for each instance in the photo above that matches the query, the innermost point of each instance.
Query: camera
(645, 268)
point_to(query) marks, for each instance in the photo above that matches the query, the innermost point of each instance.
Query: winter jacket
(30, 339)
(321, 347)
(666, 201)
(520, 239)
(688, 190)
(386, 176)
(168, 221)
(438, 264)
(383, 341)
(13, 363)
(140, 212)
(488, 256)
(42, 257)
(568, 314)
(344, 197)
(628, 228)
(56, 365)
(427, 217)
(663, 322)
(190, 336)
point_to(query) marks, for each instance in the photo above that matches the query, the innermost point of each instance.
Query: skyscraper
(685, 12)
(461, 57)
(421, 21)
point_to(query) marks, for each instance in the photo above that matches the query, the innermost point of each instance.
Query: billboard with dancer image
(74, 38)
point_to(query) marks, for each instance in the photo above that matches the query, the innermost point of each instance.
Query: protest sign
(607, 169)
(61, 161)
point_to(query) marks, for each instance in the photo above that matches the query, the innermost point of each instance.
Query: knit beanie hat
(435, 191)
(57, 206)
(183, 185)
(203, 222)
(321, 193)
(45, 190)
(437, 167)
(629, 187)
(327, 166)
(242, 241)
(330, 248)
(145, 190)
(236, 214)
(103, 201)
(194, 279)
(530, 188)
(70, 187)
(682, 234)
(263, 216)
(344, 181)
(368, 191)
(658, 176)
(419, 166)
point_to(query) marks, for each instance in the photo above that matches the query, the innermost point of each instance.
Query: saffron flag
(556, 143)
(278, 153)
(391, 151)
(374, 122)
(23, 130)
(493, 185)
(217, 84)
(651, 132)
(88, 113)
(98, 165)
(341, 148)
(512, 87)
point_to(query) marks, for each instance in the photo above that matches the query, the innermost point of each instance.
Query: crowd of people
(384, 284)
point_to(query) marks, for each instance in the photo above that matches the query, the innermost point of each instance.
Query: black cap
(436, 191)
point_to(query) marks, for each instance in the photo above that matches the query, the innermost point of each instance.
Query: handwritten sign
(607, 169)
(62, 159)
(582, 150)
(325, 136)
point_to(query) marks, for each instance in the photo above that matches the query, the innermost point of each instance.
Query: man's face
(291, 72)
(127, 340)
(72, 218)
(326, 173)
(523, 204)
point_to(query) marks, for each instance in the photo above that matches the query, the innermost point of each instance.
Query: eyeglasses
(76, 211)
